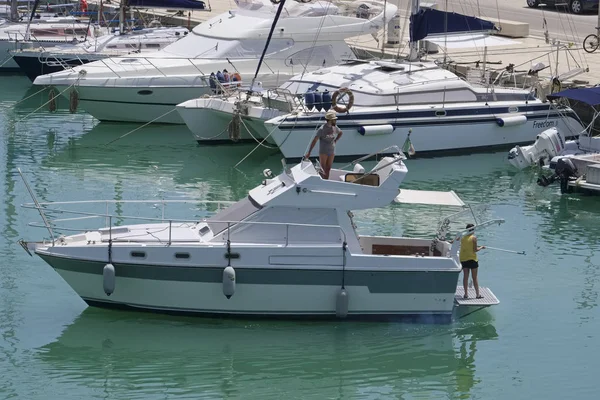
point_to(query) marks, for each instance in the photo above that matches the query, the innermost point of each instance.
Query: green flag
(408, 147)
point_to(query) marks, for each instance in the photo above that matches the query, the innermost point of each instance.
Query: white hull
(439, 135)
(145, 103)
(208, 119)
(256, 299)
(308, 37)
(132, 104)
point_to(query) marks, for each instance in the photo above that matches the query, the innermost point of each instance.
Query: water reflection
(163, 156)
(140, 355)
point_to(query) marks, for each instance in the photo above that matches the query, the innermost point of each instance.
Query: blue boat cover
(434, 22)
(177, 4)
(589, 96)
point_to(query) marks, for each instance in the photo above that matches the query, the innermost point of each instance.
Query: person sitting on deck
(468, 259)
(328, 135)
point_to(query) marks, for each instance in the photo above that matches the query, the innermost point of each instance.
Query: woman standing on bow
(328, 135)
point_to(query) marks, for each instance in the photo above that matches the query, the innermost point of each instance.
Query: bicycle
(591, 42)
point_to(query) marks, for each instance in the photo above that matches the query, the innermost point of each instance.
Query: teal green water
(540, 342)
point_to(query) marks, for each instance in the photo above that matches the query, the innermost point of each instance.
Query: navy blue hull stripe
(397, 123)
(386, 115)
(432, 113)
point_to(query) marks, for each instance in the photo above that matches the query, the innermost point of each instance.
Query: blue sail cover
(176, 4)
(589, 96)
(434, 22)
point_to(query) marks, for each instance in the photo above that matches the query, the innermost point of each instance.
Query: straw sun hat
(330, 115)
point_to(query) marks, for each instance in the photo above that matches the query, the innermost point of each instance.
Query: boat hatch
(428, 197)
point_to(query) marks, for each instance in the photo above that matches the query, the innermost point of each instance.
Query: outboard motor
(565, 169)
(548, 144)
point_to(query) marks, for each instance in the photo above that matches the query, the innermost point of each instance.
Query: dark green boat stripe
(377, 282)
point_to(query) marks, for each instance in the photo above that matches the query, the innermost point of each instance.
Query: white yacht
(289, 249)
(49, 31)
(390, 103)
(308, 35)
(45, 60)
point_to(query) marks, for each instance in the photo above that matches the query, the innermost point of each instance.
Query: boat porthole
(184, 256)
(138, 254)
(145, 92)
(513, 109)
(441, 113)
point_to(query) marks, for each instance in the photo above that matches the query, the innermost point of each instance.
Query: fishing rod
(506, 251)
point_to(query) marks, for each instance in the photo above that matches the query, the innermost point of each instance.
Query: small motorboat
(288, 249)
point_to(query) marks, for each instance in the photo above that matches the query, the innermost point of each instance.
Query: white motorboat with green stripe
(288, 249)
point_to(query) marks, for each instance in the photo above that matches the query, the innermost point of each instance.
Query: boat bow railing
(54, 225)
(386, 150)
(149, 64)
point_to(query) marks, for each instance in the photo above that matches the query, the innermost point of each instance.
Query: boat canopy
(429, 21)
(589, 96)
(429, 197)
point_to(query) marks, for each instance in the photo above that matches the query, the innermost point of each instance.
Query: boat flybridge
(289, 249)
(224, 49)
(378, 104)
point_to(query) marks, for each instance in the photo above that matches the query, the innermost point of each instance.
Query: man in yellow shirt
(468, 259)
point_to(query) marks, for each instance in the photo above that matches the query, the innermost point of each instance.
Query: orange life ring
(334, 99)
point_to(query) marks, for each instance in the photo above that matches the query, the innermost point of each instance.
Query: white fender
(341, 303)
(511, 120)
(109, 279)
(228, 282)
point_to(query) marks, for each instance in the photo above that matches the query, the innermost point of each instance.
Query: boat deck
(489, 298)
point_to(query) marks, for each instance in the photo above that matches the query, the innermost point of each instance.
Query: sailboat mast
(14, 11)
(383, 41)
(262, 56)
(414, 46)
(35, 6)
(100, 13)
(122, 17)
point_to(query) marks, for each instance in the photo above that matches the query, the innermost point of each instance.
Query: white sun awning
(429, 197)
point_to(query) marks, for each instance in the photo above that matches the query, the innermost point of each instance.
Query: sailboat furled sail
(429, 22)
